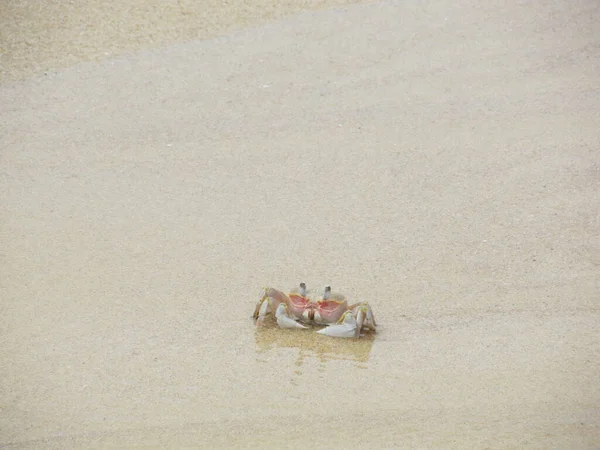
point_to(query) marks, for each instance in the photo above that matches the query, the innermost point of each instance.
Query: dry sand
(440, 160)
(39, 36)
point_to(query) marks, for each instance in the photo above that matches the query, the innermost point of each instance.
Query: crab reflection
(313, 345)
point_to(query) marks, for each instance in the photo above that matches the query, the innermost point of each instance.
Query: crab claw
(283, 318)
(347, 327)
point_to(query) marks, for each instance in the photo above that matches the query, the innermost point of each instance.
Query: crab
(296, 308)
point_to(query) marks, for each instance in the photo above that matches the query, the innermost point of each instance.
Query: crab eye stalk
(303, 289)
(327, 293)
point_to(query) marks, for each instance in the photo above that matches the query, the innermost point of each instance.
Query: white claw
(345, 328)
(283, 318)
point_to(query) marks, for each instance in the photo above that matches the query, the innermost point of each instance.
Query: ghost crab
(331, 309)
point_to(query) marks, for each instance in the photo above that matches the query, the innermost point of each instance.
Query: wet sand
(440, 161)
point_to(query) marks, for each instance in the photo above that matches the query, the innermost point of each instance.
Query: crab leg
(262, 309)
(347, 327)
(268, 304)
(364, 316)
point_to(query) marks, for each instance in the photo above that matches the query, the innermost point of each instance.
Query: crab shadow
(309, 344)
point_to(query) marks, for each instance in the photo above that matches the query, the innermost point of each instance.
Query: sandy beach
(438, 159)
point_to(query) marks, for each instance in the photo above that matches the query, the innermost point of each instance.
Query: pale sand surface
(39, 36)
(441, 161)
